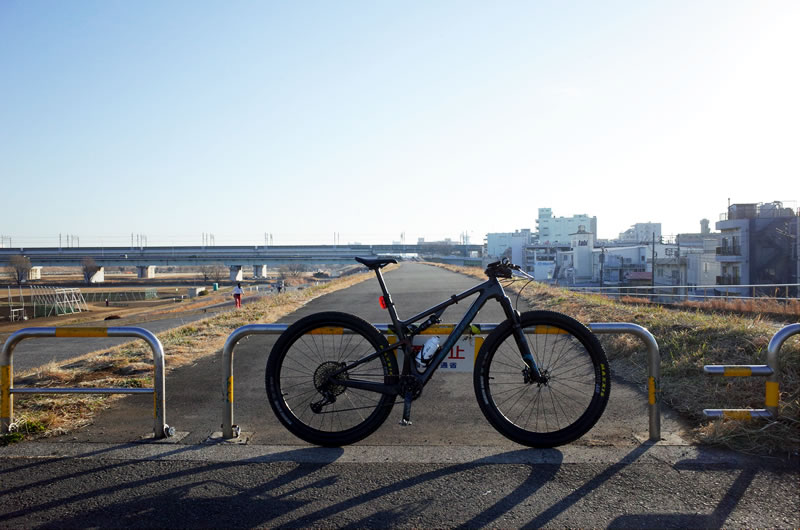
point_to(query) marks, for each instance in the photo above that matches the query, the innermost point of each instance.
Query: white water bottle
(428, 350)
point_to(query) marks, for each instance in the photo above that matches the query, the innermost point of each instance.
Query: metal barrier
(653, 368)
(230, 430)
(160, 428)
(770, 370)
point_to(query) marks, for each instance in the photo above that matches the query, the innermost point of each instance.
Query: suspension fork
(522, 342)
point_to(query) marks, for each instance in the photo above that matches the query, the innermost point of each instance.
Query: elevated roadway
(145, 259)
(228, 255)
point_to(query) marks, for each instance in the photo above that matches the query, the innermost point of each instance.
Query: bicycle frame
(489, 289)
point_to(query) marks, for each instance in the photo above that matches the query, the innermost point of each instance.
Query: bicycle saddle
(375, 263)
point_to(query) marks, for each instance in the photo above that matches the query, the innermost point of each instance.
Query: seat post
(387, 298)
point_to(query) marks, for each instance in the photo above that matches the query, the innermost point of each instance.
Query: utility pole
(602, 262)
(653, 268)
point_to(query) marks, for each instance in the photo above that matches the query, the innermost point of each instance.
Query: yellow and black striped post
(769, 370)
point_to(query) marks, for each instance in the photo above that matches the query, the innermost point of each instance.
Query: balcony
(728, 280)
(729, 250)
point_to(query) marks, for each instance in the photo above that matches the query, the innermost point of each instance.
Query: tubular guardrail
(160, 428)
(230, 430)
(771, 370)
(653, 368)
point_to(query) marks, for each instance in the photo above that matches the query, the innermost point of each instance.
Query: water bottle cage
(413, 330)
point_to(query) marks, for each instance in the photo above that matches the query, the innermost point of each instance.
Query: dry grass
(762, 306)
(688, 340)
(130, 365)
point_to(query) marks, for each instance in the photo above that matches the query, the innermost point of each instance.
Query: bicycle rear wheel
(300, 392)
(550, 413)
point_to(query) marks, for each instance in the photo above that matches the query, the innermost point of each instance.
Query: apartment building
(559, 230)
(758, 246)
(641, 233)
(499, 244)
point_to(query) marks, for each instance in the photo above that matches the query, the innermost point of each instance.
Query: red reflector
(382, 302)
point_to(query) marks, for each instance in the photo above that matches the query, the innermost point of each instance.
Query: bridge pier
(99, 276)
(34, 273)
(146, 271)
(236, 273)
(260, 271)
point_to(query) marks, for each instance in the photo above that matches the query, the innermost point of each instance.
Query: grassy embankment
(689, 339)
(131, 365)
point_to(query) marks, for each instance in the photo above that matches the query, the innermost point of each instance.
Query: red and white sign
(461, 357)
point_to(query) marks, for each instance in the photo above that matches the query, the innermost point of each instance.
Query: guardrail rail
(771, 371)
(7, 390)
(231, 430)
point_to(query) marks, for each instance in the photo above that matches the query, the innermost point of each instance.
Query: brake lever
(522, 273)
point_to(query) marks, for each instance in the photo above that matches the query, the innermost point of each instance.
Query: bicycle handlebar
(501, 269)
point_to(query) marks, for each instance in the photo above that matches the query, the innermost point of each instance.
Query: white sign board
(461, 357)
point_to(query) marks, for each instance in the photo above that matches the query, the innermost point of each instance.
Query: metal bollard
(160, 428)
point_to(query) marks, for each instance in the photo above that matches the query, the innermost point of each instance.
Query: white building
(498, 243)
(703, 268)
(559, 230)
(641, 233)
(615, 264)
(582, 248)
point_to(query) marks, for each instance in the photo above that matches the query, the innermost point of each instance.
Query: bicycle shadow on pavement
(206, 500)
(302, 488)
(716, 519)
(540, 474)
(148, 506)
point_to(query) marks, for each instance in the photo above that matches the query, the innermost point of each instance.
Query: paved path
(447, 413)
(61, 485)
(448, 469)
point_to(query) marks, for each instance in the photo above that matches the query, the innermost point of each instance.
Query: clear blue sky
(373, 119)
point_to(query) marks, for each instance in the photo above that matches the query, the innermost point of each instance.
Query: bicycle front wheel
(300, 387)
(564, 406)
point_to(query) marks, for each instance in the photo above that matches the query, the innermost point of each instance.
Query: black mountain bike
(541, 378)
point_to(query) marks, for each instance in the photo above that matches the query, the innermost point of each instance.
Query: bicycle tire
(295, 379)
(549, 414)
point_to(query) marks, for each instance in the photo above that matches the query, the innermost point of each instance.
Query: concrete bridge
(145, 259)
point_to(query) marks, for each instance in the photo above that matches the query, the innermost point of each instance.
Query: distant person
(237, 295)
(280, 287)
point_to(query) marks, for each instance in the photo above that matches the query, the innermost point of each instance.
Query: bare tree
(218, 271)
(20, 267)
(213, 272)
(206, 271)
(295, 269)
(90, 268)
